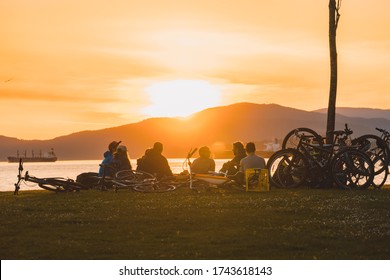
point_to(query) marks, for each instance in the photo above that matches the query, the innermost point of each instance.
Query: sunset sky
(70, 65)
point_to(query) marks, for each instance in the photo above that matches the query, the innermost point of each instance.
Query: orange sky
(70, 65)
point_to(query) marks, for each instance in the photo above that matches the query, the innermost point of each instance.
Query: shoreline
(223, 155)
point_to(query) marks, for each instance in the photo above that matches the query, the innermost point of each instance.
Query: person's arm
(212, 167)
(241, 167)
(167, 168)
(194, 166)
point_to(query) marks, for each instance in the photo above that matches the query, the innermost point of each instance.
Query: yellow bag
(256, 180)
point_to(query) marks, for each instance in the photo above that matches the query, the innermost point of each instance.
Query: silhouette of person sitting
(121, 160)
(140, 161)
(155, 163)
(108, 158)
(233, 166)
(203, 164)
(250, 161)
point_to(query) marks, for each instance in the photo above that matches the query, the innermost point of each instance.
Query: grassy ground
(184, 224)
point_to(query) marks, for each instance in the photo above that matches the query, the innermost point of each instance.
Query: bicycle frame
(52, 184)
(321, 158)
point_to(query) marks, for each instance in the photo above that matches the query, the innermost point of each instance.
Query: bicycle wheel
(292, 140)
(377, 150)
(125, 179)
(287, 168)
(133, 175)
(60, 185)
(352, 169)
(379, 177)
(154, 187)
(89, 179)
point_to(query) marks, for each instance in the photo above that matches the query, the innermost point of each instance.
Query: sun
(180, 98)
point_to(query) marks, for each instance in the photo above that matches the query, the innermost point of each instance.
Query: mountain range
(360, 112)
(216, 127)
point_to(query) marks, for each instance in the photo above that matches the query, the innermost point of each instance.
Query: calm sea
(66, 169)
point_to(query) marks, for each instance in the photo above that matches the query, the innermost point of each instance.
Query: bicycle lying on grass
(142, 182)
(148, 183)
(56, 184)
(139, 181)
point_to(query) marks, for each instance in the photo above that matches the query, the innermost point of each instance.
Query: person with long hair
(203, 164)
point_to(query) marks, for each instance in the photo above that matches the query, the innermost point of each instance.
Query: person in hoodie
(155, 163)
(108, 159)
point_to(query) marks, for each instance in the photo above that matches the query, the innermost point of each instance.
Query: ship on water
(49, 156)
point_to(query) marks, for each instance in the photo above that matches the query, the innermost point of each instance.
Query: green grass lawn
(185, 224)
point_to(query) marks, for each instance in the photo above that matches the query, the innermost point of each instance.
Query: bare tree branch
(337, 13)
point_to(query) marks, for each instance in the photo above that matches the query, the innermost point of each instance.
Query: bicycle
(378, 151)
(130, 179)
(385, 135)
(372, 145)
(314, 163)
(141, 182)
(56, 184)
(135, 180)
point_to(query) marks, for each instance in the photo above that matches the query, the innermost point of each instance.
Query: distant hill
(360, 112)
(216, 127)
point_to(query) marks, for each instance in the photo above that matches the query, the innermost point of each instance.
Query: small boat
(49, 156)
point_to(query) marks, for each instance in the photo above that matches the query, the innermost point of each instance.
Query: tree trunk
(333, 18)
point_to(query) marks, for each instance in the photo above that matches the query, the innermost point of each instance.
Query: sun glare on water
(180, 98)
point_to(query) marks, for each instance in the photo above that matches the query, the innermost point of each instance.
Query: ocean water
(67, 169)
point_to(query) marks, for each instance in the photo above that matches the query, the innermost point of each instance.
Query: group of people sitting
(244, 158)
(117, 158)
(153, 162)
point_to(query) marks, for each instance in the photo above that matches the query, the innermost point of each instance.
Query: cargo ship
(49, 156)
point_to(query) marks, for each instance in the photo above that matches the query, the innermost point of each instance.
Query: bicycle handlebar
(384, 131)
(347, 130)
(191, 152)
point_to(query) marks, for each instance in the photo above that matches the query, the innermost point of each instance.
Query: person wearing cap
(155, 163)
(233, 166)
(108, 158)
(203, 164)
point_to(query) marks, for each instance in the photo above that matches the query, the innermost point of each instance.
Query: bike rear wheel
(60, 185)
(133, 175)
(292, 140)
(134, 179)
(352, 169)
(376, 149)
(287, 168)
(380, 174)
(154, 187)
